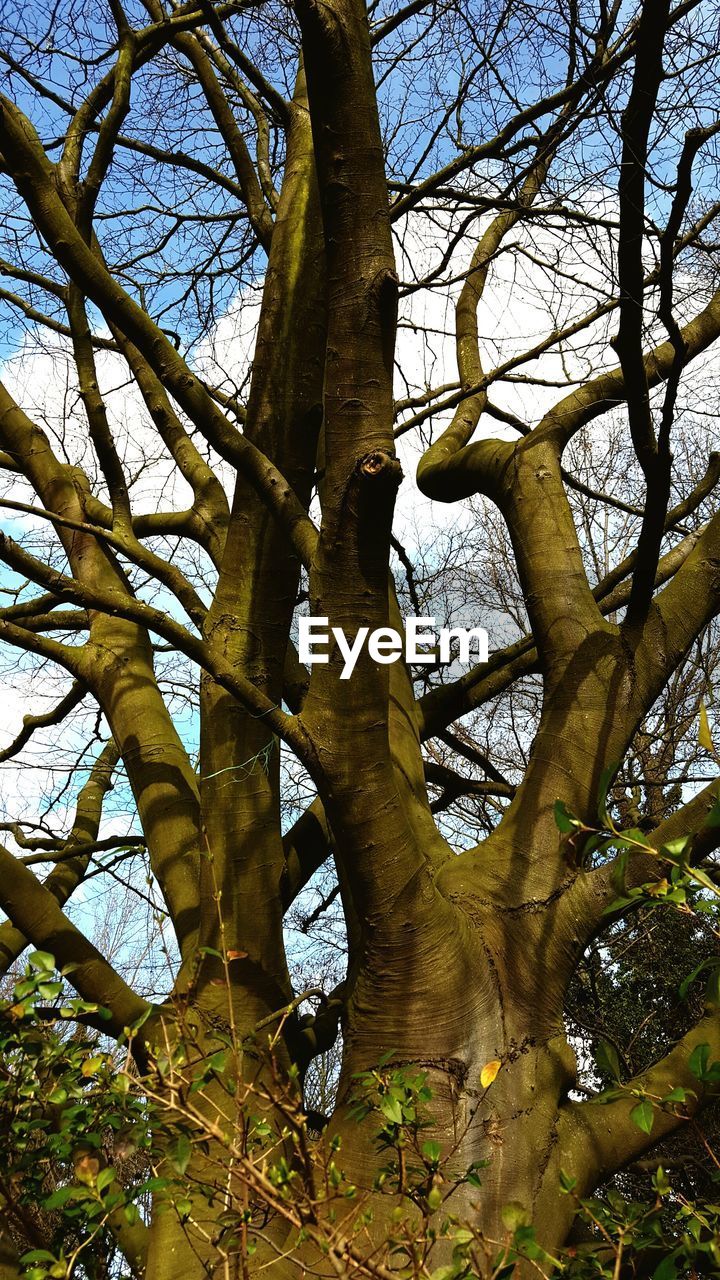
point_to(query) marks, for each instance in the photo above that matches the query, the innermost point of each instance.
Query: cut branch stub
(377, 479)
(381, 466)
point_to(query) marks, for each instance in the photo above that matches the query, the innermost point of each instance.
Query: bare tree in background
(239, 236)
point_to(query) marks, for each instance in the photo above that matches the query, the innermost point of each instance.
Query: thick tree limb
(121, 605)
(209, 512)
(604, 1139)
(349, 576)
(34, 178)
(439, 463)
(37, 914)
(307, 843)
(439, 707)
(157, 763)
(258, 211)
(126, 543)
(589, 899)
(679, 613)
(636, 122)
(251, 615)
(606, 391)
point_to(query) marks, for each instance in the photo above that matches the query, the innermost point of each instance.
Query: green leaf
(46, 963)
(136, 1025)
(180, 1157)
(463, 1236)
(565, 821)
(711, 999)
(526, 1242)
(643, 1115)
(49, 990)
(58, 1199)
(618, 874)
(515, 1215)
(698, 1059)
(431, 1151)
(184, 1207)
(630, 839)
(701, 878)
(385, 1058)
(92, 1065)
(619, 904)
(104, 1179)
(713, 817)
(391, 1109)
(670, 1266)
(607, 1095)
(444, 1273)
(606, 779)
(676, 848)
(24, 988)
(698, 1064)
(607, 1060)
(153, 1184)
(708, 963)
(218, 1061)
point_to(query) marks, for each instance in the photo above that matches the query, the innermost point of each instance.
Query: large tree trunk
(447, 996)
(456, 1002)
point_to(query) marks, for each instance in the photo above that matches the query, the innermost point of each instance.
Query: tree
(177, 176)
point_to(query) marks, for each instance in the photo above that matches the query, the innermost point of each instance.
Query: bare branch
(45, 719)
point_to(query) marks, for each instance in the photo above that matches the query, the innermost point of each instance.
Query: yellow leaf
(704, 734)
(91, 1065)
(489, 1072)
(87, 1168)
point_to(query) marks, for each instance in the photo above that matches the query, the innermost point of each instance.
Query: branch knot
(378, 463)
